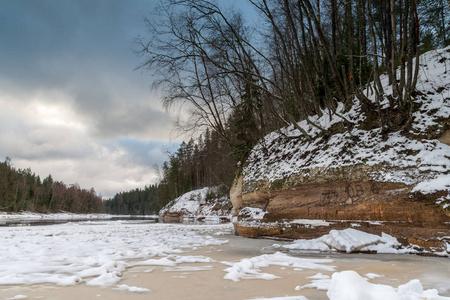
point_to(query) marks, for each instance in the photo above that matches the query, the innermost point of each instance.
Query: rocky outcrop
(374, 207)
(206, 203)
(397, 183)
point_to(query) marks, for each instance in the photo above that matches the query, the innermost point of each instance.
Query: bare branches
(308, 56)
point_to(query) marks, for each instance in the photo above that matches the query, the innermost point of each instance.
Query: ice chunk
(349, 285)
(348, 240)
(249, 268)
(133, 289)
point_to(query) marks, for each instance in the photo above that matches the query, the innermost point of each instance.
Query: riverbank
(27, 215)
(27, 218)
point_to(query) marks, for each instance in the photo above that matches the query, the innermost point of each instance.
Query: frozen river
(142, 260)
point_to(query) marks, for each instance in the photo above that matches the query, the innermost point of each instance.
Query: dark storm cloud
(85, 49)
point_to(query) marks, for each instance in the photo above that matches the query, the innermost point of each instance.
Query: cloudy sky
(71, 104)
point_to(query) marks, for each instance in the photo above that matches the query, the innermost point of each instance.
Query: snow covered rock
(202, 203)
(395, 182)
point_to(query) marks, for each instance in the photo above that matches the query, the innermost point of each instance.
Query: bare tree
(308, 56)
(204, 60)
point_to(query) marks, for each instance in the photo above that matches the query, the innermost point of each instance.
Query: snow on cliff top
(283, 154)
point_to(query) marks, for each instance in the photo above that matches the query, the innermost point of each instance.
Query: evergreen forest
(241, 79)
(22, 190)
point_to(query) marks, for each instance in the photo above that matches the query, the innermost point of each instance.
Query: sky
(71, 102)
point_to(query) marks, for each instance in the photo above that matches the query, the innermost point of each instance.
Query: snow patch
(249, 268)
(252, 213)
(373, 275)
(200, 203)
(311, 223)
(440, 183)
(320, 282)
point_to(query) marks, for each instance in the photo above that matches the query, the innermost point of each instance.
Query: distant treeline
(194, 165)
(22, 190)
(134, 202)
(205, 162)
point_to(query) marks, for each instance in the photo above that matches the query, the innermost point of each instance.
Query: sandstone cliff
(393, 182)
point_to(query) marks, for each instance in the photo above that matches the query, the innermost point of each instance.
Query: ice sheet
(96, 253)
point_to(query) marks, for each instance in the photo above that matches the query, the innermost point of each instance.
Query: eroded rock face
(355, 176)
(374, 207)
(445, 138)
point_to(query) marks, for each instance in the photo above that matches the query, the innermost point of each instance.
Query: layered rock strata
(370, 206)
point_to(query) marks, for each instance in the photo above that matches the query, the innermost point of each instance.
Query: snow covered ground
(102, 253)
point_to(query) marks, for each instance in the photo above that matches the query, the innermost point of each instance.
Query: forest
(22, 190)
(241, 80)
(236, 76)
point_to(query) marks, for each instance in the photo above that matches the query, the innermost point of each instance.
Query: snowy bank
(354, 173)
(33, 218)
(405, 158)
(201, 203)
